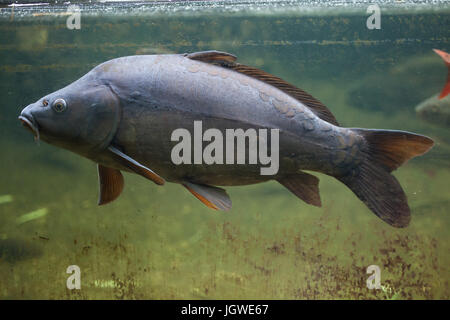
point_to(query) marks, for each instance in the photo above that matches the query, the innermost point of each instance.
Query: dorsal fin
(227, 60)
(312, 103)
(212, 56)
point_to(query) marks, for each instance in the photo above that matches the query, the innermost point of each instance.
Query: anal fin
(110, 183)
(303, 185)
(213, 197)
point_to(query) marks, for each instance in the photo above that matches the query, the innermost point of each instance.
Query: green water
(162, 243)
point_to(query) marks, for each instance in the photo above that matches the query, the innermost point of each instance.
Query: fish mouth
(30, 125)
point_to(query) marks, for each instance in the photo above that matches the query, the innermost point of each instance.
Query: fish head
(82, 117)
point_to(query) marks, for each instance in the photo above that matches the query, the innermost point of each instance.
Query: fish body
(435, 111)
(122, 114)
(164, 99)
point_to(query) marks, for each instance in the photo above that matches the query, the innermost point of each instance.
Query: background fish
(122, 113)
(446, 57)
(435, 111)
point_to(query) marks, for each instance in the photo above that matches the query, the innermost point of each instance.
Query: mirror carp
(122, 113)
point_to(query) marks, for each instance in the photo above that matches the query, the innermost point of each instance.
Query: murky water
(160, 242)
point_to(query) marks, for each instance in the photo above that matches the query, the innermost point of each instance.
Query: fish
(122, 114)
(435, 111)
(446, 57)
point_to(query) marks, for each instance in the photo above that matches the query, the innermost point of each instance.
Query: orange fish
(446, 57)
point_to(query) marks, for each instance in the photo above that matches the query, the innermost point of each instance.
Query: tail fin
(372, 182)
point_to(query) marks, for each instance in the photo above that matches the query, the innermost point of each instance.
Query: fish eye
(59, 105)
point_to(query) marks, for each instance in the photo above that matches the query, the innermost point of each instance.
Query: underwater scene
(371, 66)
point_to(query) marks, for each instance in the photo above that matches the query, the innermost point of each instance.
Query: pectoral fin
(213, 197)
(303, 185)
(135, 166)
(111, 184)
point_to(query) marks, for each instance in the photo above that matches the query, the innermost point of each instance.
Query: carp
(122, 114)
